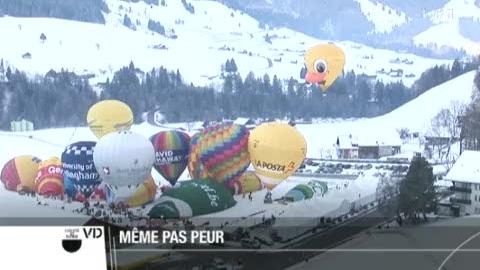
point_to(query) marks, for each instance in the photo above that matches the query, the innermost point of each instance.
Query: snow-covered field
(382, 16)
(200, 48)
(415, 115)
(445, 31)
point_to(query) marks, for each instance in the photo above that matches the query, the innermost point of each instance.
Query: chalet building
(465, 177)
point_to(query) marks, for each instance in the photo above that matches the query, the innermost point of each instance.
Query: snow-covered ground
(200, 48)
(445, 31)
(382, 16)
(415, 115)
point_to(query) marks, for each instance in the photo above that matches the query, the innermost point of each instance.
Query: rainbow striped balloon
(171, 153)
(195, 167)
(220, 152)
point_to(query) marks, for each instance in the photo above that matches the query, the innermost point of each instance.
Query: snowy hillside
(446, 29)
(196, 44)
(416, 115)
(382, 16)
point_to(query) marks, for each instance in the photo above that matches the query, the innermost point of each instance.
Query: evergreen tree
(379, 90)
(127, 22)
(156, 27)
(456, 69)
(363, 96)
(8, 74)
(417, 193)
(233, 65)
(228, 66)
(2, 68)
(477, 80)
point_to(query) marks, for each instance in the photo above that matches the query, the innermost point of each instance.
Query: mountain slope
(194, 43)
(382, 16)
(448, 30)
(390, 23)
(416, 116)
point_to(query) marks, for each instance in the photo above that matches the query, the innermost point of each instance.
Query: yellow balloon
(108, 116)
(144, 194)
(27, 168)
(276, 150)
(324, 63)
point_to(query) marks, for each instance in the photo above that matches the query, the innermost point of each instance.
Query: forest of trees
(471, 121)
(84, 10)
(63, 98)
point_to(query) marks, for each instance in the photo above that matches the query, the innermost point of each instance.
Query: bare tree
(387, 189)
(446, 128)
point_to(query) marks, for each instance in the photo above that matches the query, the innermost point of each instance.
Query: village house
(465, 177)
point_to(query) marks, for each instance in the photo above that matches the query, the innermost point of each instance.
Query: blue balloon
(70, 189)
(78, 167)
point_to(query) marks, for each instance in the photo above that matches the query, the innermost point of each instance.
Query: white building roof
(350, 142)
(241, 121)
(466, 169)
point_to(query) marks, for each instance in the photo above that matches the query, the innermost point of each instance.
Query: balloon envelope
(195, 166)
(78, 168)
(192, 198)
(143, 194)
(108, 116)
(220, 152)
(19, 173)
(124, 158)
(324, 63)
(49, 180)
(300, 192)
(277, 151)
(248, 182)
(171, 153)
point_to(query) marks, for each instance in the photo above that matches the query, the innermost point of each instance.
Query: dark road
(278, 259)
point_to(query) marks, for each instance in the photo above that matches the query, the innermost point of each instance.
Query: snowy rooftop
(466, 169)
(241, 121)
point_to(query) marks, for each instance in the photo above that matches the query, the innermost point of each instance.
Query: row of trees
(471, 120)
(440, 74)
(59, 99)
(85, 10)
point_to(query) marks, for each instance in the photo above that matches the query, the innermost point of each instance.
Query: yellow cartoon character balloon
(323, 64)
(276, 150)
(108, 116)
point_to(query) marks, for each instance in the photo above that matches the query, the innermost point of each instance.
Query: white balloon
(124, 158)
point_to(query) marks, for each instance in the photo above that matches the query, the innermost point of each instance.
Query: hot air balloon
(277, 151)
(124, 160)
(195, 166)
(248, 182)
(108, 116)
(78, 168)
(319, 187)
(171, 153)
(69, 188)
(49, 180)
(19, 173)
(323, 64)
(300, 192)
(192, 198)
(99, 193)
(220, 152)
(144, 194)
